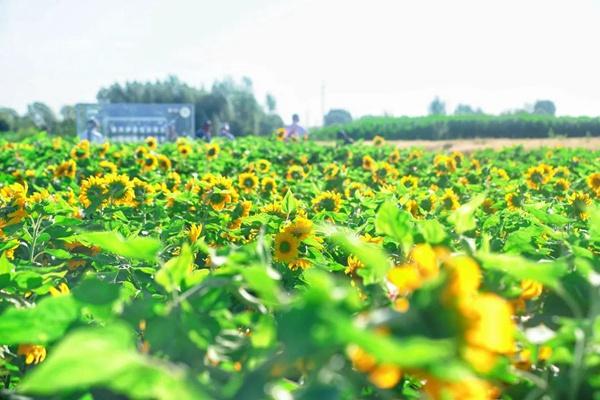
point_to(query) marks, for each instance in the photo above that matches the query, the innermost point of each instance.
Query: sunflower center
(285, 247)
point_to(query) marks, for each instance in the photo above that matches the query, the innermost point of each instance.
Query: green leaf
(59, 253)
(96, 292)
(138, 247)
(521, 241)
(44, 323)
(106, 357)
(463, 218)
(394, 222)
(174, 271)
(433, 232)
(594, 223)
(408, 352)
(374, 259)
(6, 267)
(546, 217)
(289, 202)
(548, 273)
(264, 283)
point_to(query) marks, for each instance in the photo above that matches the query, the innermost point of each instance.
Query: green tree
(271, 103)
(437, 107)
(465, 109)
(337, 116)
(10, 119)
(544, 107)
(42, 116)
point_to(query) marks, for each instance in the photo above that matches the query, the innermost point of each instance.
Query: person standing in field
(295, 131)
(91, 133)
(225, 132)
(205, 133)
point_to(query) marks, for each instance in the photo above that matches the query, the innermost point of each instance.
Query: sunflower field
(260, 269)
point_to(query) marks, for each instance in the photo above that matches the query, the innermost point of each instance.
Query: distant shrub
(441, 127)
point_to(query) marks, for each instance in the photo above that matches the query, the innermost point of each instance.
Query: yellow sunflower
(449, 200)
(593, 182)
(151, 142)
(488, 206)
(263, 166)
(93, 191)
(34, 354)
(295, 173)
(428, 203)
(536, 177)
(286, 247)
(108, 167)
(394, 157)
(514, 201)
(185, 150)
(212, 151)
(378, 141)
(173, 181)
(194, 232)
(103, 149)
(140, 153)
(248, 182)
(142, 191)
(413, 207)
(81, 150)
(164, 162)
(119, 189)
(409, 181)
(327, 201)
(353, 263)
(561, 185)
(268, 185)
(280, 134)
(382, 172)
(301, 228)
(444, 164)
(149, 162)
(67, 169)
(331, 171)
(579, 202)
(299, 263)
(368, 163)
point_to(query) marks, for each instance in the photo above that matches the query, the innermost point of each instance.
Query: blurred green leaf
(96, 292)
(407, 352)
(374, 259)
(289, 202)
(433, 232)
(106, 357)
(594, 223)
(521, 241)
(174, 271)
(548, 273)
(394, 222)
(464, 217)
(43, 323)
(264, 283)
(137, 247)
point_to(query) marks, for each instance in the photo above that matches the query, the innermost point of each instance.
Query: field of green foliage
(260, 269)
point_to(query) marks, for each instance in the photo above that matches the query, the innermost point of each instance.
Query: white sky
(374, 56)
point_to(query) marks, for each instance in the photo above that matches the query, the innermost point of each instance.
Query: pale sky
(374, 57)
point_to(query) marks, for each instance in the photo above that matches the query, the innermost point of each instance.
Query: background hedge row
(464, 127)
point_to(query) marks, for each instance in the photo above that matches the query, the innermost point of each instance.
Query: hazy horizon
(382, 57)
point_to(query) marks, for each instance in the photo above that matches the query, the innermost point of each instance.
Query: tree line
(226, 101)
(439, 127)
